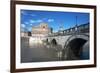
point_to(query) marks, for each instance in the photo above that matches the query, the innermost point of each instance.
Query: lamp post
(76, 28)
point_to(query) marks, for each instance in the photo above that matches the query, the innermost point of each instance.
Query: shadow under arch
(74, 47)
(54, 42)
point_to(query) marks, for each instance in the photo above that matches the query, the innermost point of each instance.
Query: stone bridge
(64, 40)
(74, 42)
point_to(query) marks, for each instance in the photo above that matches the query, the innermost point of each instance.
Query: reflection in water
(39, 50)
(35, 40)
(38, 41)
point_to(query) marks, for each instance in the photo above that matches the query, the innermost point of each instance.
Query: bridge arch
(54, 41)
(74, 46)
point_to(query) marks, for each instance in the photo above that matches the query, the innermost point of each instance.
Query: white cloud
(23, 25)
(26, 22)
(39, 21)
(31, 24)
(24, 12)
(32, 21)
(35, 21)
(50, 20)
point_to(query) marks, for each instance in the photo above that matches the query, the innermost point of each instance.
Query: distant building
(24, 34)
(41, 31)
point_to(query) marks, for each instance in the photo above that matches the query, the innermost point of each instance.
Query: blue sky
(54, 19)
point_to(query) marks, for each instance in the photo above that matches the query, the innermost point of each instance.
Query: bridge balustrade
(75, 30)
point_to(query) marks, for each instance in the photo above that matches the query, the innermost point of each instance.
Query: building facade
(41, 31)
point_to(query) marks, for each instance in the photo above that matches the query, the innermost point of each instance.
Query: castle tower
(41, 30)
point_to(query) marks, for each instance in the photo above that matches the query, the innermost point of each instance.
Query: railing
(84, 28)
